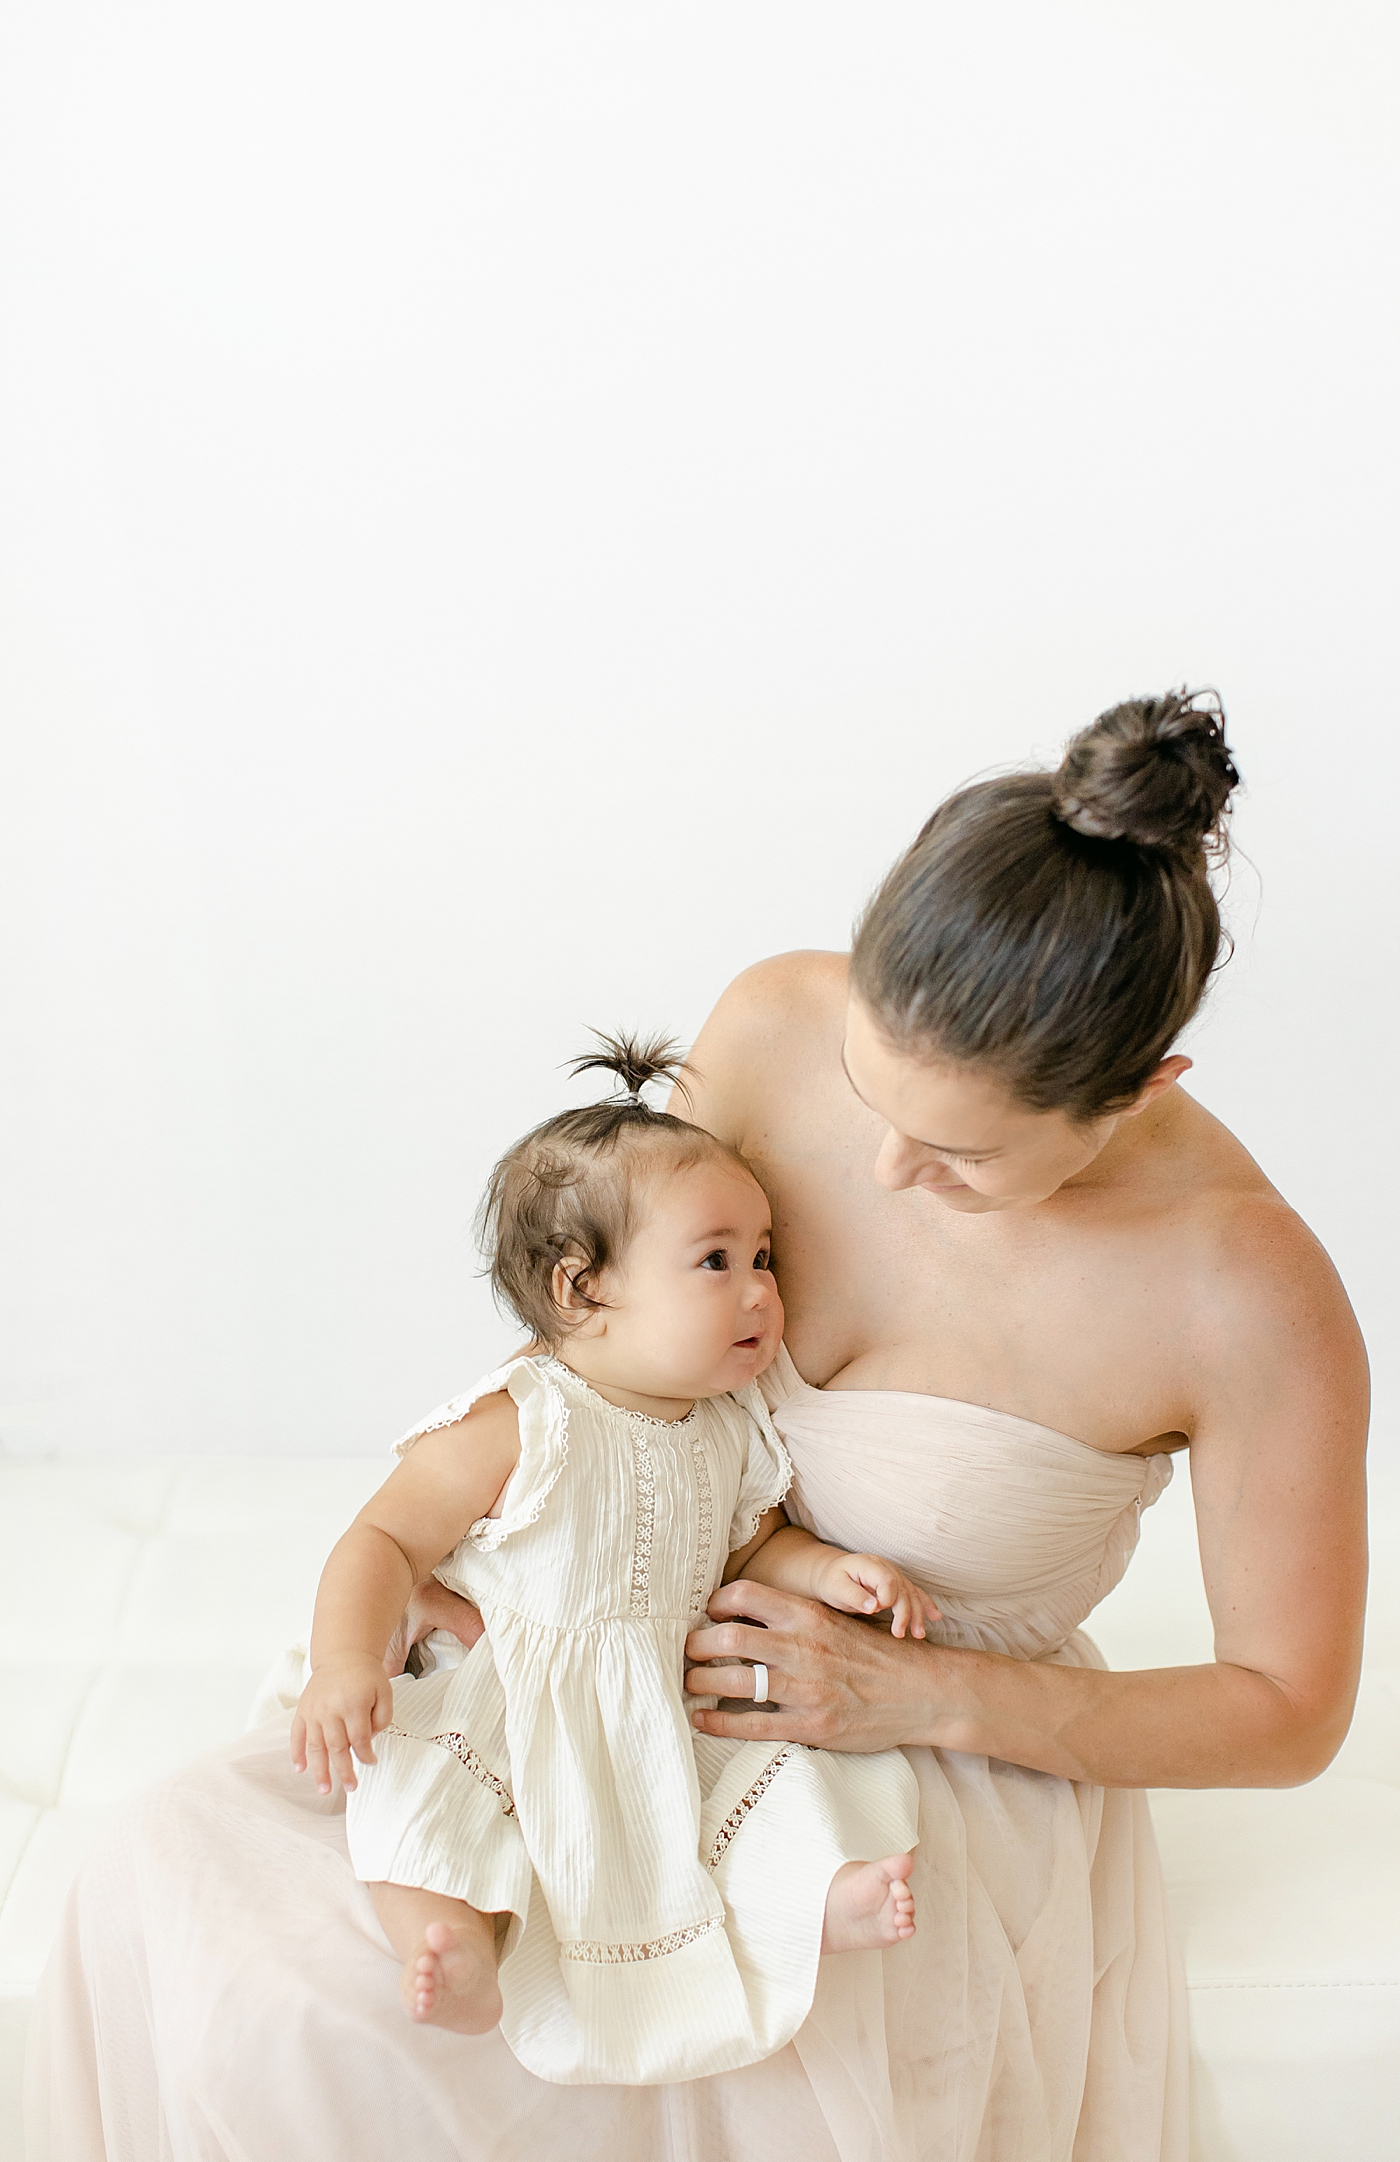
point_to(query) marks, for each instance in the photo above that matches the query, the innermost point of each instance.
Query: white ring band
(760, 1682)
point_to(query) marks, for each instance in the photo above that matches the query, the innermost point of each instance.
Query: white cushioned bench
(181, 1579)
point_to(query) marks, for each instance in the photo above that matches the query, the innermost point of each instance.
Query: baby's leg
(449, 1955)
(869, 1905)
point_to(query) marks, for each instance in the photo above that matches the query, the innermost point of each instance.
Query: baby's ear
(571, 1289)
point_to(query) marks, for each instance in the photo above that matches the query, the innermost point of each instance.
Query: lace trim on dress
(733, 1823)
(646, 1521)
(490, 1532)
(668, 1426)
(623, 1955)
(705, 1505)
(744, 1526)
(448, 1416)
(459, 1747)
(756, 1518)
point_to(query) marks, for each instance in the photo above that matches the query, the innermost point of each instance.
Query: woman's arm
(431, 1606)
(1278, 1450)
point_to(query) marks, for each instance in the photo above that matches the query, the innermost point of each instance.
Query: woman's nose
(900, 1161)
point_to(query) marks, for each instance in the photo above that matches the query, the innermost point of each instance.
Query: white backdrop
(511, 513)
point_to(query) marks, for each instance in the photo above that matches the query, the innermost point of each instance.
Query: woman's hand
(432, 1606)
(839, 1683)
(347, 1702)
(868, 1584)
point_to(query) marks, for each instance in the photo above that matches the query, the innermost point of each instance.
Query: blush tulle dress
(220, 1990)
(666, 1889)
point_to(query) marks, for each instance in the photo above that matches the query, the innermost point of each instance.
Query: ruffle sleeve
(544, 1444)
(767, 1469)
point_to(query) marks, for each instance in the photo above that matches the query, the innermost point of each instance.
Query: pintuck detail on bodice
(676, 1496)
(1018, 1531)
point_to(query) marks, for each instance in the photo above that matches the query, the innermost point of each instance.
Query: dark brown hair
(567, 1191)
(1060, 928)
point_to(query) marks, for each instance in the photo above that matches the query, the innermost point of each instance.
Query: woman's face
(956, 1132)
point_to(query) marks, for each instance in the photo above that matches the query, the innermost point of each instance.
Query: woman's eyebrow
(939, 1148)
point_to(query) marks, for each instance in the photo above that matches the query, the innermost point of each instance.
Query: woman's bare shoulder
(1269, 1315)
(762, 1032)
(797, 987)
(1262, 1265)
(1249, 1242)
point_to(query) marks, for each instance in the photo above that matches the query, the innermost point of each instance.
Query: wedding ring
(760, 1682)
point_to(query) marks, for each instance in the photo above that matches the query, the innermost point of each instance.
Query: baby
(547, 1841)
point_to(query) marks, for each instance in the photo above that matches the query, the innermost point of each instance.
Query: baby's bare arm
(780, 1547)
(791, 1559)
(447, 1481)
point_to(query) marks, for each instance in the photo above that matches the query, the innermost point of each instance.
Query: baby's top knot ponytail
(635, 1060)
(565, 1194)
(1155, 772)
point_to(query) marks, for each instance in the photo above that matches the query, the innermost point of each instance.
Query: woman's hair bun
(1154, 771)
(634, 1059)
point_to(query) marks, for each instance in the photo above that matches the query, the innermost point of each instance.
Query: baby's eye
(762, 1259)
(719, 1259)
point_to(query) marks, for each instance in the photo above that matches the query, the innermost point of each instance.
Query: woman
(1062, 1270)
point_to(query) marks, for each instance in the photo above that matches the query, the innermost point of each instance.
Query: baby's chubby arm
(790, 1559)
(447, 1481)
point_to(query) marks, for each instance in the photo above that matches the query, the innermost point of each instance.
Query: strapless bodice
(1016, 1530)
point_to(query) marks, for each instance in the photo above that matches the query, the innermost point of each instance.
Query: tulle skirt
(221, 1992)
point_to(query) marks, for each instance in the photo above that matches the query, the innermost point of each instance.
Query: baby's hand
(866, 1584)
(347, 1701)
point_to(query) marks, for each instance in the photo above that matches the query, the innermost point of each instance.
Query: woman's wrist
(946, 1711)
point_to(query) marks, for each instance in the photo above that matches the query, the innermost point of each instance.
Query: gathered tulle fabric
(1014, 1570)
(221, 1990)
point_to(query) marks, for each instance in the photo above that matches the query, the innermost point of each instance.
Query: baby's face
(692, 1309)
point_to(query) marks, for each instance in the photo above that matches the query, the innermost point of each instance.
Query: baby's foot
(869, 1905)
(450, 1981)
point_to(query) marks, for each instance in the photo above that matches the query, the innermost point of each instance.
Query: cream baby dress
(666, 1889)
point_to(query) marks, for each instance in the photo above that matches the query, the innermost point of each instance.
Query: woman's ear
(1157, 1083)
(580, 1316)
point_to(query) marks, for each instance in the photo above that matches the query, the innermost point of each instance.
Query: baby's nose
(763, 1296)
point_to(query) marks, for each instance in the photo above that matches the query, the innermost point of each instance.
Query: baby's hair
(565, 1193)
